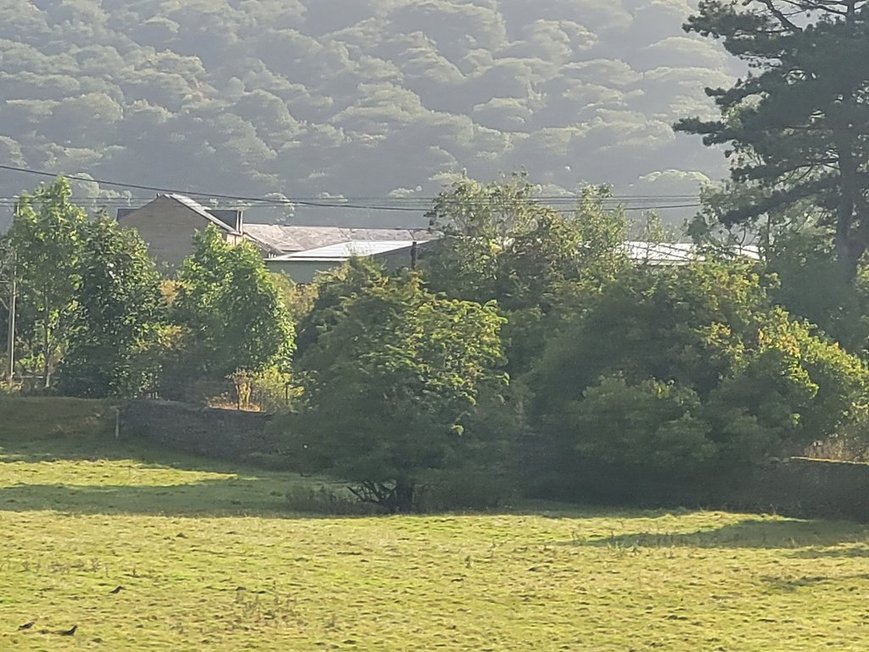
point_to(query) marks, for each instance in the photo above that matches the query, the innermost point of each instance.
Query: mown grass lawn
(211, 559)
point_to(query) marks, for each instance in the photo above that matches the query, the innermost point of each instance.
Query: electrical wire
(396, 204)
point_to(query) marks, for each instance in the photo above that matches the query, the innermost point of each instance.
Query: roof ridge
(200, 210)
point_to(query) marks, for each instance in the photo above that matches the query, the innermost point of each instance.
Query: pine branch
(779, 14)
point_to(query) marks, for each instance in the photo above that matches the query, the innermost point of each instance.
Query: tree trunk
(850, 232)
(397, 498)
(46, 343)
(404, 496)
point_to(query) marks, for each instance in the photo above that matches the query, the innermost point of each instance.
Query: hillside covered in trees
(354, 98)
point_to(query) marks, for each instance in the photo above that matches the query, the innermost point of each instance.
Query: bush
(272, 390)
(676, 375)
(653, 426)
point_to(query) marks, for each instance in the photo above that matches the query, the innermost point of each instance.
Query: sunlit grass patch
(211, 557)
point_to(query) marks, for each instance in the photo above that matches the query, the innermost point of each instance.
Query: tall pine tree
(796, 126)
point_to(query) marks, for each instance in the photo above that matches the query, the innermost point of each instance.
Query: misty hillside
(354, 98)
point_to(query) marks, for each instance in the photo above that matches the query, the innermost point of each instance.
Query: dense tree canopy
(116, 320)
(391, 384)
(230, 313)
(47, 238)
(503, 243)
(680, 371)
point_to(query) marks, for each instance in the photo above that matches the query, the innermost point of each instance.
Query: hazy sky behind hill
(356, 98)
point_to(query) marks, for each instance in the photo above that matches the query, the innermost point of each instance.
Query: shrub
(653, 426)
(391, 386)
(678, 373)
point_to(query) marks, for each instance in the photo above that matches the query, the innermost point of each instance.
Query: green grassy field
(210, 558)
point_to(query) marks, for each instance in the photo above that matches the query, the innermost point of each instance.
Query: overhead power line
(389, 203)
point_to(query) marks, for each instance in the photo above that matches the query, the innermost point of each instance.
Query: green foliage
(391, 383)
(677, 371)
(230, 312)
(112, 347)
(503, 243)
(46, 235)
(797, 127)
(332, 289)
(651, 426)
(811, 286)
(273, 389)
(297, 297)
(796, 249)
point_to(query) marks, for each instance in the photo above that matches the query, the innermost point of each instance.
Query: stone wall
(167, 227)
(225, 434)
(798, 487)
(802, 487)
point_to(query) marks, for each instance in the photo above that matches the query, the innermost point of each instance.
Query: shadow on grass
(218, 498)
(246, 490)
(853, 552)
(751, 533)
(92, 448)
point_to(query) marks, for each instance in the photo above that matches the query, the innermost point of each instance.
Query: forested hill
(361, 98)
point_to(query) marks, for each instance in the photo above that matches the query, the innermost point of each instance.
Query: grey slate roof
(279, 239)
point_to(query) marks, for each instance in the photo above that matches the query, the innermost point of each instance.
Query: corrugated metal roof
(285, 239)
(376, 243)
(675, 253)
(346, 250)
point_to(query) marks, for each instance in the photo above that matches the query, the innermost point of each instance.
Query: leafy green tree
(332, 289)
(476, 221)
(391, 384)
(797, 126)
(810, 285)
(116, 318)
(230, 312)
(676, 372)
(46, 234)
(794, 248)
(503, 243)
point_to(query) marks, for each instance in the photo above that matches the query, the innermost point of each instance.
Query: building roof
(675, 253)
(280, 239)
(375, 243)
(346, 250)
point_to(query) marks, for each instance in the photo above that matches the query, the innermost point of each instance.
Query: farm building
(169, 222)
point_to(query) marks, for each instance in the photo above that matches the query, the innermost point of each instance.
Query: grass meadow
(211, 557)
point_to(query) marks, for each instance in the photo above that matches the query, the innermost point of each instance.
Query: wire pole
(10, 344)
